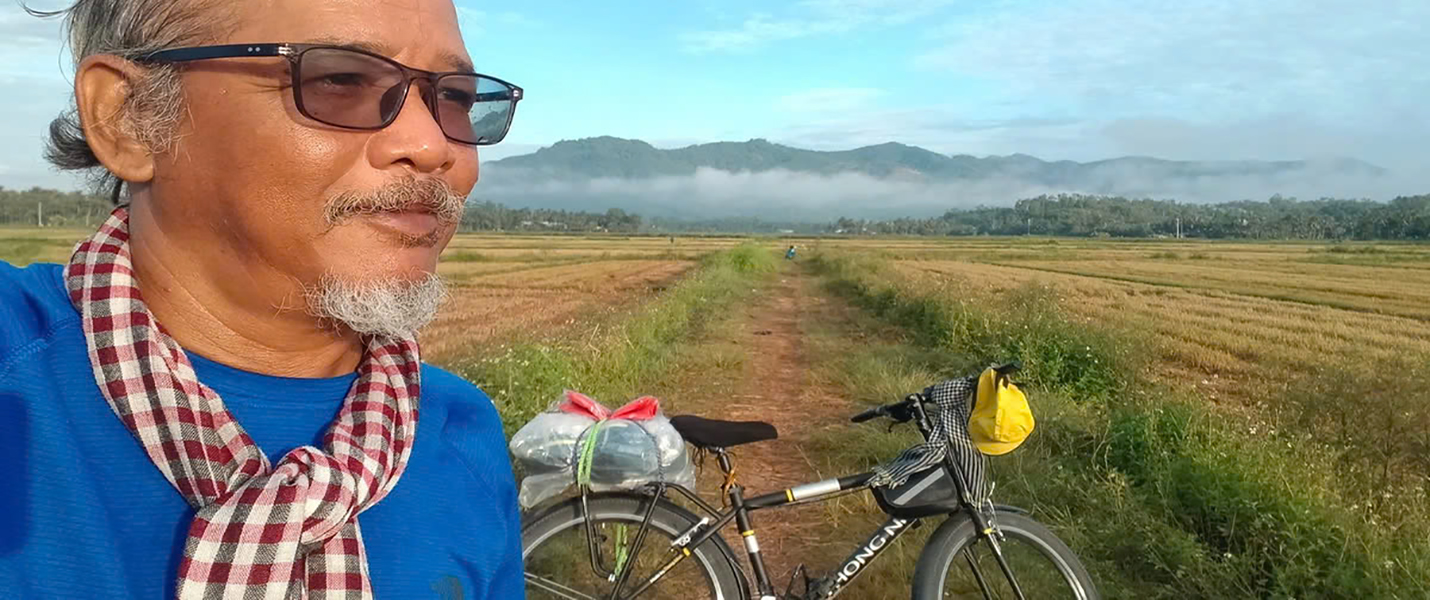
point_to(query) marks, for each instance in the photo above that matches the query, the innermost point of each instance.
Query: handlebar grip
(1009, 367)
(868, 414)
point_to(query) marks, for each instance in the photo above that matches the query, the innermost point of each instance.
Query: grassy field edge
(612, 362)
(1161, 495)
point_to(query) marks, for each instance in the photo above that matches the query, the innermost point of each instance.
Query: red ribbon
(641, 409)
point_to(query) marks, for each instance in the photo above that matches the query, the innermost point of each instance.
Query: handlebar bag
(924, 494)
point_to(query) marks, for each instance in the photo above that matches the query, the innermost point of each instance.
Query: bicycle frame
(740, 508)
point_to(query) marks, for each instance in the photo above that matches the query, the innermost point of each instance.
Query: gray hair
(154, 105)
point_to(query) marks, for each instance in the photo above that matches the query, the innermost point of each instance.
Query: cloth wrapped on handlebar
(579, 441)
(948, 434)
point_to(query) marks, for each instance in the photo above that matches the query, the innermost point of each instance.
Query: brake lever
(904, 411)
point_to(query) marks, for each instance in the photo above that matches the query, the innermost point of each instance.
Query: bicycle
(696, 558)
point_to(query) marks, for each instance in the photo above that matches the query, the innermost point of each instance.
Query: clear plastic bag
(624, 449)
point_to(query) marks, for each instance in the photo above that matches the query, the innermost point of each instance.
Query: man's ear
(103, 84)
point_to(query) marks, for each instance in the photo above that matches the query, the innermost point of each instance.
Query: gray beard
(388, 308)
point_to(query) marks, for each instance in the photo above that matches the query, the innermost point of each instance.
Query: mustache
(410, 194)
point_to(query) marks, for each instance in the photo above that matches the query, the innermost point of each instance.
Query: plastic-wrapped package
(578, 440)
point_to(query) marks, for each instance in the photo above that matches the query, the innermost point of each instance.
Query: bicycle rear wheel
(558, 556)
(956, 563)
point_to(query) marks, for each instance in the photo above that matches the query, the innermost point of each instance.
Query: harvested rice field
(537, 300)
(1226, 319)
(504, 287)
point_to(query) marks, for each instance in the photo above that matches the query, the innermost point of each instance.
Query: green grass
(24, 249)
(1352, 250)
(615, 362)
(1160, 494)
(1024, 325)
(554, 258)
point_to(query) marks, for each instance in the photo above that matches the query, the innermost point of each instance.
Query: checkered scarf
(260, 532)
(949, 434)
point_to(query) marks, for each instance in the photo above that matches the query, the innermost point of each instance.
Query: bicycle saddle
(713, 433)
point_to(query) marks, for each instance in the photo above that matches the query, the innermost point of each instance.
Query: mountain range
(764, 179)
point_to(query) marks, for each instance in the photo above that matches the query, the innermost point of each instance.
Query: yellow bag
(1001, 418)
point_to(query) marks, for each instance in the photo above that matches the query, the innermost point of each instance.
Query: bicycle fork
(989, 533)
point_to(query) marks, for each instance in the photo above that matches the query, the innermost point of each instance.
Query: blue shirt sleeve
(510, 581)
(473, 429)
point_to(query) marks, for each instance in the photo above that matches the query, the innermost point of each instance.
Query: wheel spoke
(1025, 561)
(548, 585)
(558, 549)
(977, 573)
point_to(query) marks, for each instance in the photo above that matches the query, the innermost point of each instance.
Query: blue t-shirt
(85, 514)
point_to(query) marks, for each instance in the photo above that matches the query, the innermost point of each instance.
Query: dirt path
(777, 384)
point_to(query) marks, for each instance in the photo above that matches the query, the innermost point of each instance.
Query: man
(218, 395)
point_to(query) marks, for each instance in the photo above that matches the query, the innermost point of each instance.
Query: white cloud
(1201, 79)
(945, 129)
(1212, 57)
(756, 30)
(474, 22)
(19, 29)
(32, 103)
(828, 99)
(811, 18)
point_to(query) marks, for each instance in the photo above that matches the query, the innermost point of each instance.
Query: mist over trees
(1081, 215)
(1078, 215)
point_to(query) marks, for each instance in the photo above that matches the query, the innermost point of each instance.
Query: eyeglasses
(354, 89)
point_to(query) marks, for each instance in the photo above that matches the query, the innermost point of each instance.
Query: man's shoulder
(459, 398)
(439, 381)
(33, 305)
(468, 423)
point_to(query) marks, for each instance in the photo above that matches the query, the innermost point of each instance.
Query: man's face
(253, 183)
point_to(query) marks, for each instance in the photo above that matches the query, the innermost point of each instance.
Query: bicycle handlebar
(899, 411)
(903, 411)
(1009, 367)
(877, 411)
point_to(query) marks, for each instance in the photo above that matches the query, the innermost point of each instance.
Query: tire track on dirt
(776, 384)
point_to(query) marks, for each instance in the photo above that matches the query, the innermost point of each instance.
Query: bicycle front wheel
(563, 562)
(957, 563)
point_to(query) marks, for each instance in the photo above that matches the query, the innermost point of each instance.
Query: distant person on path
(217, 395)
(789, 254)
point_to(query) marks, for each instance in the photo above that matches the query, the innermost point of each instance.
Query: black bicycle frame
(741, 507)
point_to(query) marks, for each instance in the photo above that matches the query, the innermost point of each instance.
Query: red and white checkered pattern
(260, 531)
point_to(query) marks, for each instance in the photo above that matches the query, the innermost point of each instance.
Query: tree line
(1403, 218)
(52, 208)
(490, 216)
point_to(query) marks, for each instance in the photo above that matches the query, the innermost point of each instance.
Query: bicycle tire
(956, 533)
(713, 556)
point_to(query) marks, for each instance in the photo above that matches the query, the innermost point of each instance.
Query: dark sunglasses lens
(474, 109)
(349, 89)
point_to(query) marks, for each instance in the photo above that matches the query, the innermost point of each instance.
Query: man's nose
(414, 140)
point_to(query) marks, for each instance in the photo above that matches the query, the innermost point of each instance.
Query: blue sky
(1076, 79)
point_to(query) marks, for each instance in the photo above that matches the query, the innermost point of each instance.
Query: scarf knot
(259, 531)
